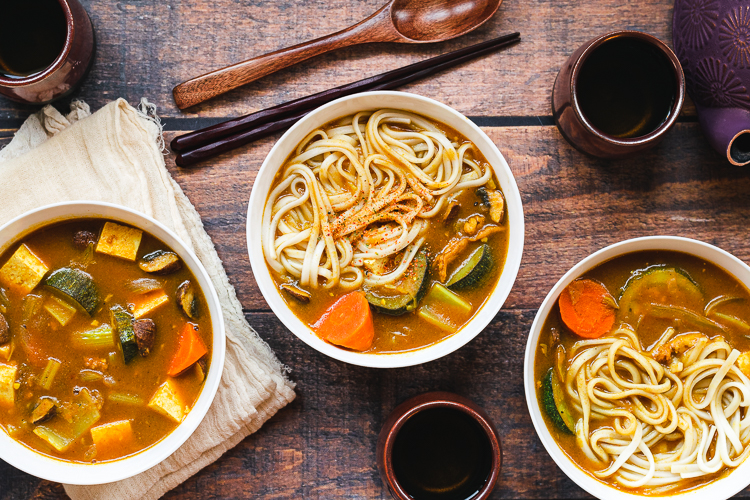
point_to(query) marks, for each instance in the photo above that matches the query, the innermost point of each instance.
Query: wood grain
(146, 47)
(323, 444)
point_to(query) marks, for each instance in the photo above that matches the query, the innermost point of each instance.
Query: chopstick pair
(206, 143)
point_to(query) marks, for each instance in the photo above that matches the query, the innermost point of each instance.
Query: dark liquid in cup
(442, 454)
(32, 35)
(626, 88)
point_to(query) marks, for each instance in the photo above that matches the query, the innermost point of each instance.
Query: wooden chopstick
(211, 141)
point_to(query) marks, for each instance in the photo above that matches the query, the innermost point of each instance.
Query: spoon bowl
(403, 21)
(439, 20)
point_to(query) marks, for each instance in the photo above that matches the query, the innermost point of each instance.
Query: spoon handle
(376, 28)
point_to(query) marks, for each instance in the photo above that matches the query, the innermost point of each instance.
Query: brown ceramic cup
(577, 128)
(409, 408)
(66, 71)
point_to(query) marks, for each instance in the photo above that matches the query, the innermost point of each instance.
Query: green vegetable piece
(473, 270)
(658, 284)
(76, 285)
(413, 285)
(122, 321)
(126, 399)
(438, 293)
(734, 321)
(683, 314)
(553, 402)
(435, 320)
(61, 433)
(48, 375)
(101, 337)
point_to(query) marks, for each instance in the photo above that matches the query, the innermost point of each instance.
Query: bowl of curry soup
(385, 229)
(637, 371)
(111, 342)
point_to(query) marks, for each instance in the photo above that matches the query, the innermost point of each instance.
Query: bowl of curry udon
(385, 229)
(637, 371)
(111, 342)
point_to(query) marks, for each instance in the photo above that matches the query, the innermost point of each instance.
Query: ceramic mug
(432, 400)
(578, 129)
(66, 71)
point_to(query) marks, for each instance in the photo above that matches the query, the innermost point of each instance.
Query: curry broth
(408, 331)
(712, 280)
(43, 337)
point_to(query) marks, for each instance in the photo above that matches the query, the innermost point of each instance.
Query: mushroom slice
(186, 298)
(297, 293)
(4, 330)
(82, 239)
(145, 332)
(160, 262)
(44, 410)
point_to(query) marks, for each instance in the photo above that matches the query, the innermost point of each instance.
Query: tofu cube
(23, 271)
(167, 402)
(150, 302)
(7, 384)
(62, 311)
(112, 436)
(119, 241)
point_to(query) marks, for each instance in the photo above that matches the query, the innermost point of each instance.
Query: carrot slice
(587, 308)
(348, 323)
(190, 349)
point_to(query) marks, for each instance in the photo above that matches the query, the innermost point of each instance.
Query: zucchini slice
(669, 286)
(413, 286)
(553, 402)
(76, 285)
(122, 321)
(473, 270)
(160, 262)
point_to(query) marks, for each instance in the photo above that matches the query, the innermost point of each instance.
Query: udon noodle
(668, 423)
(362, 188)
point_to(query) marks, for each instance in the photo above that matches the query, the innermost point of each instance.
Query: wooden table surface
(323, 444)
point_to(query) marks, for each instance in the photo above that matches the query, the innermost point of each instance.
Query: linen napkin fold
(114, 155)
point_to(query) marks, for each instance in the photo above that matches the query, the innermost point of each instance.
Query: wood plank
(146, 47)
(573, 204)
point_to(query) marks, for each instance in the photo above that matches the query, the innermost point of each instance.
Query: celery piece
(101, 337)
(439, 293)
(435, 320)
(57, 441)
(48, 375)
(60, 309)
(32, 305)
(60, 434)
(90, 376)
(126, 399)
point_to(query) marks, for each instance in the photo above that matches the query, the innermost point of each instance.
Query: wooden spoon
(403, 21)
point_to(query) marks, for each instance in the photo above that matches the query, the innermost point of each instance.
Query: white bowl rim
(26, 459)
(494, 302)
(718, 489)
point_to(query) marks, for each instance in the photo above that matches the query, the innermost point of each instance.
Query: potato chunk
(119, 241)
(7, 384)
(151, 301)
(167, 402)
(23, 271)
(109, 437)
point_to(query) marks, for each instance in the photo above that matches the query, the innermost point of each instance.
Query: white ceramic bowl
(347, 106)
(718, 490)
(52, 469)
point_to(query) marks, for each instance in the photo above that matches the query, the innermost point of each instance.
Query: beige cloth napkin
(115, 155)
